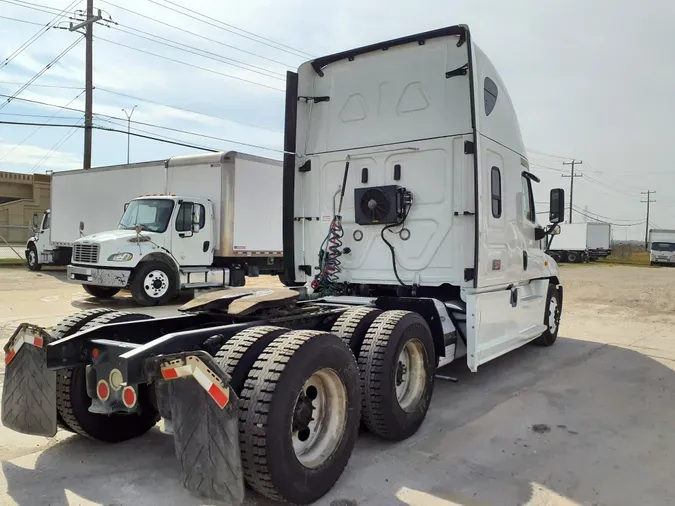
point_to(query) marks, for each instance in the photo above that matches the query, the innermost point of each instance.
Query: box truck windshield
(663, 246)
(152, 215)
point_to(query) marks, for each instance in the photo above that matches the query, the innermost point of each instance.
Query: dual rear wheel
(303, 394)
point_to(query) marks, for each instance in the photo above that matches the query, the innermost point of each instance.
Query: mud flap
(206, 429)
(29, 392)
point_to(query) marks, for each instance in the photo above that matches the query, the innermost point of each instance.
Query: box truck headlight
(120, 257)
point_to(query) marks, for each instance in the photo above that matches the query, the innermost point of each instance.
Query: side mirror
(81, 226)
(556, 230)
(35, 221)
(556, 212)
(125, 207)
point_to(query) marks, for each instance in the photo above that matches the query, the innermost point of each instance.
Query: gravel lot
(588, 421)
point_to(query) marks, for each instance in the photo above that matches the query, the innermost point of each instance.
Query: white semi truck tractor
(409, 221)
(215, 220)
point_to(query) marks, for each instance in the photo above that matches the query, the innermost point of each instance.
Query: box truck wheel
(32, 258)
(352, 326)
(237, 356)
(397, 364)
(551, 317)
(572, 257)
(73, 401)
(299, 417)
(101, 292)
(153, 283)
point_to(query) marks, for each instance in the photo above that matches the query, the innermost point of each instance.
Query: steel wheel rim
(553, 315)
(410, 375)
(156, 284)
(316, 439)
(32, 257)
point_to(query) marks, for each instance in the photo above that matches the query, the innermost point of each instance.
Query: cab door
(192, 234)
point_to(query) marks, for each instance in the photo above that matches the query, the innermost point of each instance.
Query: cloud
(28, 155)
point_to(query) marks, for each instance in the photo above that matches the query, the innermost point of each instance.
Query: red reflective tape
(9, 357)
(37, 341)
(169, 374)
(219, 396)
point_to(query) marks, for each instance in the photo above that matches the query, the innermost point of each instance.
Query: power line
(45, 85)
(45, 69)
(56, 146)
(188, 110)
(37, 35)
(22, 21)
(203, 53)
(190, 64)
(98, 127)
(578, 209)
(186, 132)
(548, 154)
(38, 128)
(605, 186)
(228, 28)
(38, 8)
(33, 115)
(198, 35)
(610, 223)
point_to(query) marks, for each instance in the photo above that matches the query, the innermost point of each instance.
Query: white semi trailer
(210, 221)
(661, 246)
(570, 244)
(85, 202)
(408, 216)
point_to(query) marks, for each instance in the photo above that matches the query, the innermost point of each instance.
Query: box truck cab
(39, 248)
(661, 246)
(162, 243)
(227, 228)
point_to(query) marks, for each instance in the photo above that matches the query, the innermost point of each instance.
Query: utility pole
(572, 176)
(88, 25)
(129, 115)
(648, 202)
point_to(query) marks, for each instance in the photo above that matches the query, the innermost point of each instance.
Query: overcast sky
(592, 80)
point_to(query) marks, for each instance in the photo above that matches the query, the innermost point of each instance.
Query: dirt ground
(588, 421)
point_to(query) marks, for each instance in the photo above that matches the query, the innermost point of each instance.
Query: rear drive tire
(397, 365)
(352, 326)
(32, 259)
(101, 292)
(572, 257)
(69, 326)
(237, 356)
(153, 284)
(72, 400)
(551, 317)
(308, 380)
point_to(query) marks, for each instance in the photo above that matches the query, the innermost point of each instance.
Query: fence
(13, 241)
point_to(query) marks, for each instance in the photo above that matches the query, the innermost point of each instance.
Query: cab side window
(528, 199)
(184, 218)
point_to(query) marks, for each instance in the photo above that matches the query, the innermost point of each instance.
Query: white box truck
(598, 240)
(429, 254)
(661, 246)
(85, 202)
(571, 244)
(209, 221)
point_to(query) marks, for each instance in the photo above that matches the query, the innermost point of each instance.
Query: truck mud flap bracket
(205, 422)
(29, 391)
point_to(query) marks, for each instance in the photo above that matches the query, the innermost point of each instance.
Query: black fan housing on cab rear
(377, 205)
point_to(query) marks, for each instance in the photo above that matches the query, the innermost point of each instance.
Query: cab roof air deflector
(420, 38)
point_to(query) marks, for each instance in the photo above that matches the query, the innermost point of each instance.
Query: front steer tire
(101, 292)
(73, 401)
(32, 259)
(381, 370)
(270, 402)
(143, 293)
(552, 313)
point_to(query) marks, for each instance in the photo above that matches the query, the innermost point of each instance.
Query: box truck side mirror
(81, 226)
(557, 206)
(125, 207)
(35, 222)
